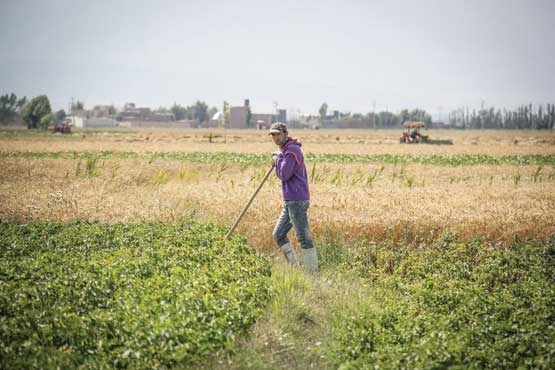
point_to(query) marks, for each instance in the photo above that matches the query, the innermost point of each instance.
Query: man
(291, 170)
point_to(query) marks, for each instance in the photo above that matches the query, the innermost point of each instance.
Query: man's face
(279, 138)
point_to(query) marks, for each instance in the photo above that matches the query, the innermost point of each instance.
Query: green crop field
(452, 305)
(140, 295)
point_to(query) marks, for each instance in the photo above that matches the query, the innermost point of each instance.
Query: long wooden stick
(248, 204)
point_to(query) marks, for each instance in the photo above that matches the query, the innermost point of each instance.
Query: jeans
(294, 215)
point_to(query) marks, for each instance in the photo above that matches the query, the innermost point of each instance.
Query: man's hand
(274, 158)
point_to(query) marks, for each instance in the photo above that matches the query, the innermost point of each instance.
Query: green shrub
(142, 295)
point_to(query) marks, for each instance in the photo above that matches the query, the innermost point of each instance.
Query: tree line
(524, 117)
(36, 113)
(199, 111)
(10, 106)
(370, 120)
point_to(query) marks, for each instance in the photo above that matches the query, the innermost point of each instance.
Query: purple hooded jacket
(291, 171)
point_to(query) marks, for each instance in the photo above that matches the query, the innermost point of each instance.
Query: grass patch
(291, 332)
(142, 295)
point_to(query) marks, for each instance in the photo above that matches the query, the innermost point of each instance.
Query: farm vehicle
(415, 137)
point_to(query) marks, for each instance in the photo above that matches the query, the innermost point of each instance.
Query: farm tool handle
(248, 204)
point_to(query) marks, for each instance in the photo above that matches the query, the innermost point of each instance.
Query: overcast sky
(437, 55)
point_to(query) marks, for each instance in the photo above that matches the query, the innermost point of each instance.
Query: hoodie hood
(290, 141)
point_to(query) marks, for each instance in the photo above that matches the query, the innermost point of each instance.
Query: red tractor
(63, 127)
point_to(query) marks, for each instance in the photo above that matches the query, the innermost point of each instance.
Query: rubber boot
(310, 260)
(289, 253)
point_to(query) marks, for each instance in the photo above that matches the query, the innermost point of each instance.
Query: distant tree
(21, 102)
(10, 106)
(417, 115)
(178, 111)
(388, 119)
(77, 106)
(190, 112)
(163, 110)
(323, 111)
(37, 113)
(200, 111)
(551, 116)
(45, 121)
(523, 117)
(372, 120)
(404, 115)
(59, 116)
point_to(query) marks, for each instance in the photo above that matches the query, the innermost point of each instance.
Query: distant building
(76, 121)
(100, 122)
(132, 113)
(87, 121)
(186, 123)
(217, 120)
(282, 115)
(238, 117)
(263, 119)
(102, 111)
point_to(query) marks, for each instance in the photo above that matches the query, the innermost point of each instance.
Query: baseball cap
(278, 127)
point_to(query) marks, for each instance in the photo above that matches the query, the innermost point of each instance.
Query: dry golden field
(412, 202)
(487, 142)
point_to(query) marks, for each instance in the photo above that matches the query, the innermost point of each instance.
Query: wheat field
(374, 201)
(487, 142)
